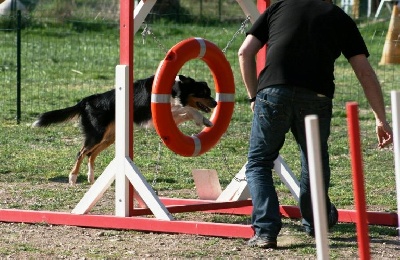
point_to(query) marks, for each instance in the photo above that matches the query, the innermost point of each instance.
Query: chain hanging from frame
(241, 30)
(147, 31)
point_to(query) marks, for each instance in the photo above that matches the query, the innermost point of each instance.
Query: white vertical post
(317, 187)
(395, 98)
(121, 139)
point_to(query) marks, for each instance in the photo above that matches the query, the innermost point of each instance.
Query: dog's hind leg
(108, 139)
(73, 175)
(92, 157)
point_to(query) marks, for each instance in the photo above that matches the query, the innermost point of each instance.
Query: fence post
(220, 10)
(201, 9)
(18, 66)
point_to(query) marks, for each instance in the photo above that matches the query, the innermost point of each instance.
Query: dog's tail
(57, 116)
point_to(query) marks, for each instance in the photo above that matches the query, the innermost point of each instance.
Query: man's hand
(384, 134)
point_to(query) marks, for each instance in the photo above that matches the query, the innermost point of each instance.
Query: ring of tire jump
(177, 56)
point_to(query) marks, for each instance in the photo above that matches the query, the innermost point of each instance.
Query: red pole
(126, 55)
(262, 54)
(358, 179)
(126, 58)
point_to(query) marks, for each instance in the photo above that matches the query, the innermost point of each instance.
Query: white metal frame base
(122, 169)
(239, 190)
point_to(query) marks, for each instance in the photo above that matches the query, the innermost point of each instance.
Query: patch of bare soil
(42, 241)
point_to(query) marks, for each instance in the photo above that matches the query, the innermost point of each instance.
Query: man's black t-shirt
(304, 39)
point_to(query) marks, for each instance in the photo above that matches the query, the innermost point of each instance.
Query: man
(304, 38)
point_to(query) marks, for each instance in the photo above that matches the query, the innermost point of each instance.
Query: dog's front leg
(180, 115)
(198, 117)
(184, 114)
(106, 142)
(90, 173)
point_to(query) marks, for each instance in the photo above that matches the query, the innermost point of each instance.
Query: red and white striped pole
(126, 59)
(358, 179)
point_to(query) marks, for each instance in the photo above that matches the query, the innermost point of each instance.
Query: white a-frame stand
(238, 189)
(122, 169)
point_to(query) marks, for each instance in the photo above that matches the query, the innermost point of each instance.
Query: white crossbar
(122, 169)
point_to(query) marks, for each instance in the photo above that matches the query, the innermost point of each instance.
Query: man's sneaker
(333, 216)
(309, 231)
(262, 242)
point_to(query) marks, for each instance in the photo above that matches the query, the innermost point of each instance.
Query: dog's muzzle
(206, 107)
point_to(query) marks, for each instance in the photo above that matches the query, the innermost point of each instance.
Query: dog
(97, 115)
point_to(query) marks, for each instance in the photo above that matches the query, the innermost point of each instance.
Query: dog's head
(193, 93)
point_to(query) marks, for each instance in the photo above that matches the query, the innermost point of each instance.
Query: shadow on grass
(82, 178)
(345, 235)
(59, 179)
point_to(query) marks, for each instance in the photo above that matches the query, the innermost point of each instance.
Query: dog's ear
(181, 77)
(184, 79)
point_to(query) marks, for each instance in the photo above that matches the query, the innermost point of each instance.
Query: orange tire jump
(177, 56)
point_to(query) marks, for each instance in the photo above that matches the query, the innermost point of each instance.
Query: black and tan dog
(97, 115)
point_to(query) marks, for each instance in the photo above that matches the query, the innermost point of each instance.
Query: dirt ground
(25, 241)
(43, 241)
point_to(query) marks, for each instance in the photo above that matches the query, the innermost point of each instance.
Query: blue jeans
(277, 110)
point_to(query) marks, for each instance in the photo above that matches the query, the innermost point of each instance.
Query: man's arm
(247, 54)
(373, 92)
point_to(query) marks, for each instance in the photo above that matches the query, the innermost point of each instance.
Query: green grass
(62, 65)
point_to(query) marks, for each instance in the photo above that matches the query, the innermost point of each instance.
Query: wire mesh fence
(68, 52)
